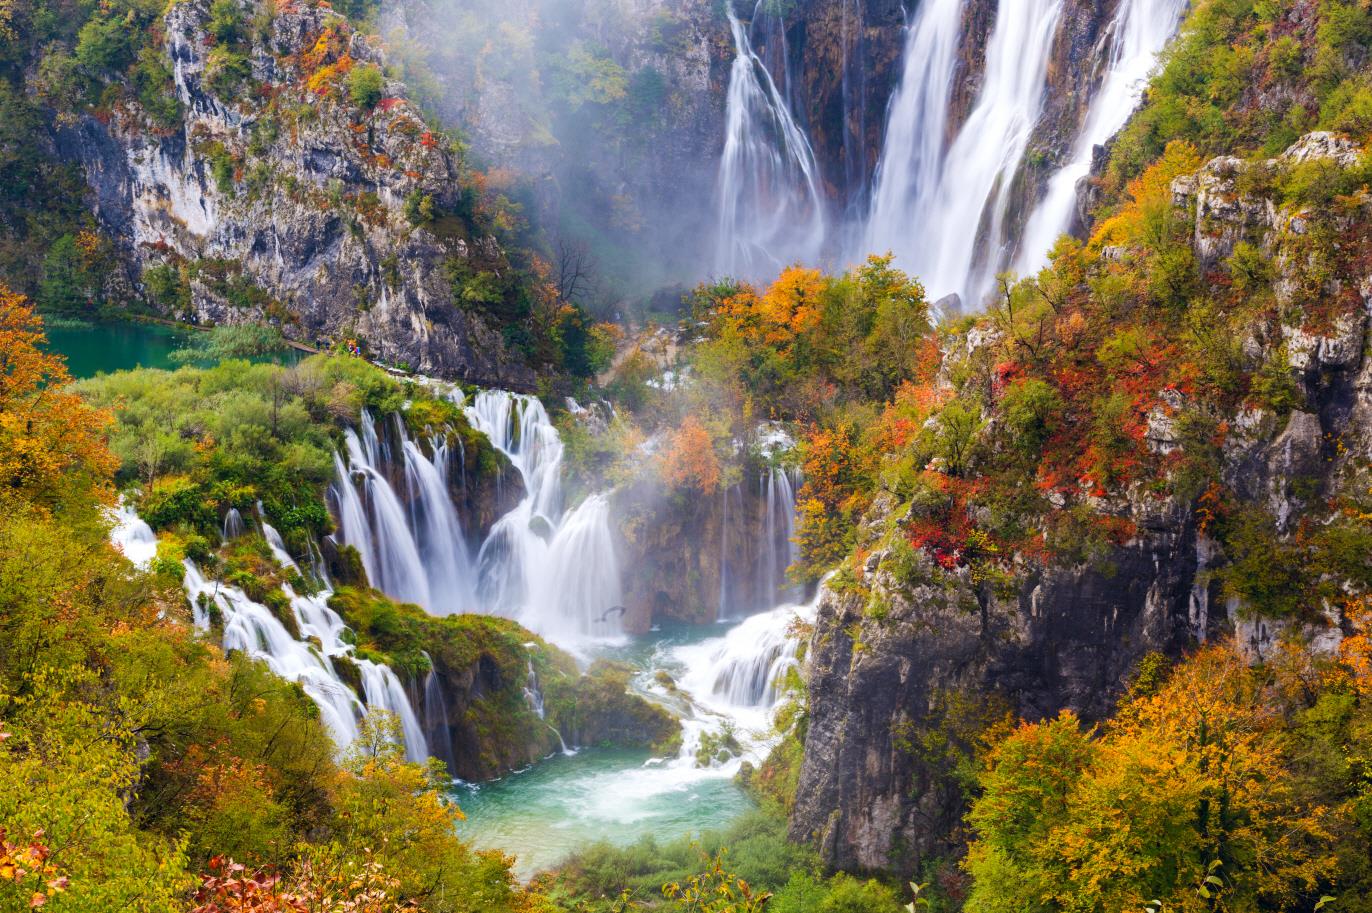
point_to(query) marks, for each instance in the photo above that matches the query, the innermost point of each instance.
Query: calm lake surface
(122, 345)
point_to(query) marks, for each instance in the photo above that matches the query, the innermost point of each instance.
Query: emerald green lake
(566, 803)
(102, 348)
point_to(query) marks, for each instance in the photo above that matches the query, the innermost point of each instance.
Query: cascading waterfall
(1138, 34)
(771, 209)
(251, 628)
(941, 206)
(745, 668)
(418, 554)
(735, 683)
(912, 154)
(435, 716)
(555, 572)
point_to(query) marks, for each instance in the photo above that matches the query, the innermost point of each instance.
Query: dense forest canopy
(1056, 601)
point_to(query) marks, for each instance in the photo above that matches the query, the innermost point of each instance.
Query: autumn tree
(688, 458)
(1187, 798)
(52, 447)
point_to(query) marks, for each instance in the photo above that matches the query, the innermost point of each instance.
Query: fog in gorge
(649, 145)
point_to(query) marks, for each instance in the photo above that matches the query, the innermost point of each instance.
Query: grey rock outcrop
(288, 203)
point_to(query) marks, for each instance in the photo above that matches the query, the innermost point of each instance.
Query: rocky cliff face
(696, 558)
(909, 662)
(281, 199)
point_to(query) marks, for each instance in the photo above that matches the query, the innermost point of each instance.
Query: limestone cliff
(281, 197)
(909, 660)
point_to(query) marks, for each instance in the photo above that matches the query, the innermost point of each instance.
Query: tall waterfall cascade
(941, 204)
(949, 227)
(1137, 36)
(940, 198)
(415, 554)
(770, 204)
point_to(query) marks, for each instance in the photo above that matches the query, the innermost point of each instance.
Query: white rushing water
(252, 628)
(1138, 34)
(940, 203)
(944, 215)
(415, 554)
(133, 537)
(553, 571)
(771, 208)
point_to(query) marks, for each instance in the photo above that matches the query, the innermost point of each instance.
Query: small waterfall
(436, 717)
(532, 692)
(233, 525)
(387, 546)
(771, 209)
(722, 613)
(555, 573)
(133, 537)
(442, 543)
(778, 550)
(854, 87)
(1138, 34)
(744, 669)
(251, 628)
(382, 689)
(734, 683)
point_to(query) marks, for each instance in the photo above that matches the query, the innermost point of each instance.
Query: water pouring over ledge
(770, 205)
(251, 628)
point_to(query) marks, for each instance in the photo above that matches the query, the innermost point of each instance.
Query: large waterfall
(942, 205)
(771, 209)
(948, 226)
(1139, 33)
(940, 197)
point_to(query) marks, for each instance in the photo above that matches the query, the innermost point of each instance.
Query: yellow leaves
(791, 304)
(1355, 652)
(1149, 194)
(49, 438)
(1189, 774)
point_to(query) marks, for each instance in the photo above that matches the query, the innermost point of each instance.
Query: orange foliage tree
(52, 447)
(689, 460)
